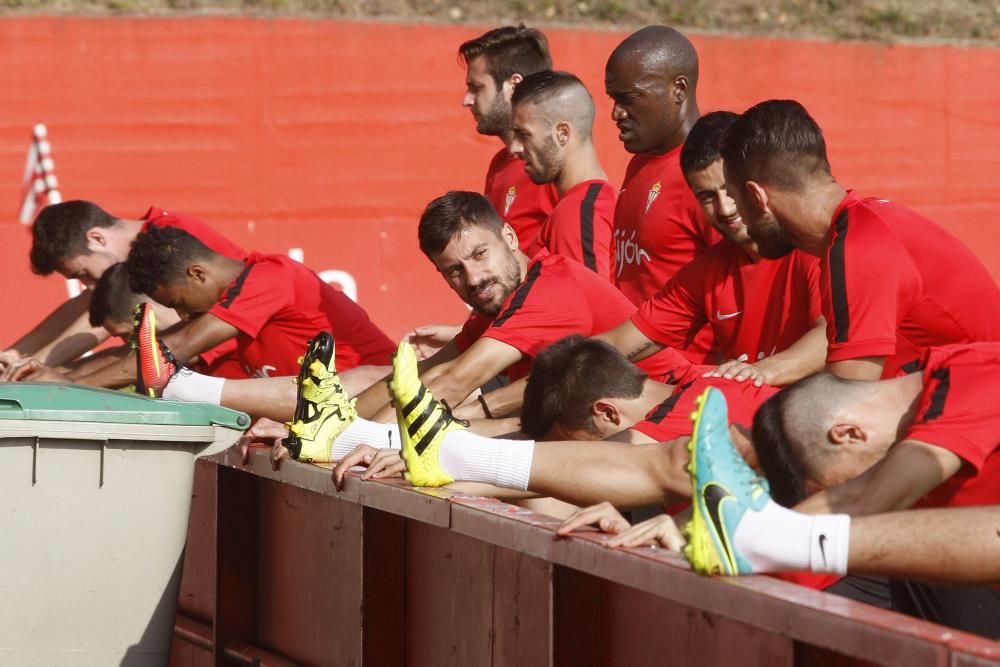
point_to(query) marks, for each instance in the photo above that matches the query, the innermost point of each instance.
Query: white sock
(186, 385)
(777, 539)
(364, 432)
(829, 544)
(468, 457)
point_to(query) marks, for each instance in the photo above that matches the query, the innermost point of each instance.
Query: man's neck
(583, 165)
(506, 138)
(653, 393)
(679, 136)
(810, 213)
(898, 399)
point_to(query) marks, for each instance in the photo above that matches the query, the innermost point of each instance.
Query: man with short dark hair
(553, 117)
(271, 304)
(520, 305)
(893, 282)
(79, 239)
(580, 389)
(496, 62)
(765, 315)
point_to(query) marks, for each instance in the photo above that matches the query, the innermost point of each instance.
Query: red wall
(332, 136)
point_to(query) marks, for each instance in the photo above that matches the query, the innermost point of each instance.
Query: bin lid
(39, 401)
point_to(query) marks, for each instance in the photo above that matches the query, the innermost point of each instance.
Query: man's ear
(509, 236)
(563, 132)
(757, 196)
(605, 410)
(681, 86)
(97, 237)
(510, 84)
(846, 434)
(196, 272)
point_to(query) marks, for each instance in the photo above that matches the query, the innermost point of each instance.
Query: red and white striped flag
(41, 187)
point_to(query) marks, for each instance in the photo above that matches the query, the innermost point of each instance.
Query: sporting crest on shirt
(654, 192)
(509, 200)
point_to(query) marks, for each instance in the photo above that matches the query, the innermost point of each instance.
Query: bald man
(652, 79)
(553, 117)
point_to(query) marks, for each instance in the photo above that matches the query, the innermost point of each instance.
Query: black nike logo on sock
(712, 495)
(822, 549)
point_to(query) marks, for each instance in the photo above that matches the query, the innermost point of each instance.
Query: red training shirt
(755, 308)
(672, 418)
(278, 305)
(581, 227)
(222, 360)
(894, 283)
(520, 203)
(558, 298)
(659, 226)
(957, 411)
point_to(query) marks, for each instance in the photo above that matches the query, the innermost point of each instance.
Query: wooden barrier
(282, 569)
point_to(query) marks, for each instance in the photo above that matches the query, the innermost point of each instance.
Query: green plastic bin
(96, 490)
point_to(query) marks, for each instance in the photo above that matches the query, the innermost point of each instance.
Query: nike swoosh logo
(720, 316)
(822, 549)
(713, 495)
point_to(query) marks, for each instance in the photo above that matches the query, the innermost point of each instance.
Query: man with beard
(652, 78)
(893, 283)
(496, 62)
(553, 117)
(520, 305)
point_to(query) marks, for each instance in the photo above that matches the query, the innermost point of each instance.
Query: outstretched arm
(63, 335)
(908, 472)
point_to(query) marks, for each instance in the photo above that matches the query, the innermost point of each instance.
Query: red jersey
(222, 360)
(754, 308)
(278, 305)
(895, 283)
(558, 298)
(581, 227)
(672, 418)
(659, 226)
(957, 411)
(522, 204)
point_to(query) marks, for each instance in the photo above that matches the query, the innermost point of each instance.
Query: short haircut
(794, 421)
(567, 377)
(701, 148)
(575, 102)
(113, 300)
(60, 233)
(777, 143)
(450, 213)
(160, 255)
(508, 51)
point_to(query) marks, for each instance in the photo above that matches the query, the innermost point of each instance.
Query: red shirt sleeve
(868, 280)
(256, 295)
(957, 411)
(675, 315)
(471, 331)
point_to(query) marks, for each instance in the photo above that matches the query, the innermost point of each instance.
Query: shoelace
(450, 415)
